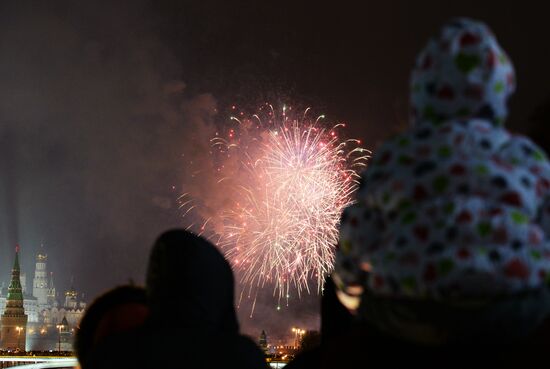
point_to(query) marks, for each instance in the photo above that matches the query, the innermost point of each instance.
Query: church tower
(65, 342)
(14, 319)
(51, 292)
(40, 281)
(70, 297)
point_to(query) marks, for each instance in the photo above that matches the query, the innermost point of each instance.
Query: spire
(71, 292)
(41, 256)
(51, 295)
(50, 283)
(70, 296)
(14, 319)
(15, 292)
(16, 262)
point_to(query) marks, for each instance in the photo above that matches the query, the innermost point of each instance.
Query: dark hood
(190, 284)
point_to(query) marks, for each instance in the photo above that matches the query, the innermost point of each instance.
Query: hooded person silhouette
(449, 239)
(192, 321)
(118, 310)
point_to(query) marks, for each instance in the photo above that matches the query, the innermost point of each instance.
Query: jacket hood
(187, 271)
(462, 73)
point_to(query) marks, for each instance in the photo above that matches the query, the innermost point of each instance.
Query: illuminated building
(44, 313)
(40, 280)
(14, 319)
(65, 336)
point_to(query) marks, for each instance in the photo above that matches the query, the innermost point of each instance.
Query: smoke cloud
(97, 133)
(94, 121)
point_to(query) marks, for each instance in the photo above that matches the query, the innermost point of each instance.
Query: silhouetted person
(117, 311)
(192, 323)
(336, 325)
(448, 244)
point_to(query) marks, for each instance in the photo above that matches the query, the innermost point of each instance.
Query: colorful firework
(293, 178)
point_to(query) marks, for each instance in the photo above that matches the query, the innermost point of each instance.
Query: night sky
(99, 101)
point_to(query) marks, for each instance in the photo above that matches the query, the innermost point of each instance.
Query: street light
(59, 326)
(19, 329)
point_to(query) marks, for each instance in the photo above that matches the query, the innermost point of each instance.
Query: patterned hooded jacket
(454, 206)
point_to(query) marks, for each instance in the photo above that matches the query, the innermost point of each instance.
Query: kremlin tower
(14, 319)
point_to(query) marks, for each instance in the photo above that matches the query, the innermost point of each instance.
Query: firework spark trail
(294, 180)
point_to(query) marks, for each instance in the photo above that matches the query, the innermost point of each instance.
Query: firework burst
(294, 178)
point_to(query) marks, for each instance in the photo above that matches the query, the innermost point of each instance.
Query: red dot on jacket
(464, 217)
(446, 93)
(463, 253)
(511, 198)
(458, 170)
(516, 269)
(468, 39)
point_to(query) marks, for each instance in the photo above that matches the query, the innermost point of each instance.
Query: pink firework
(294, 178)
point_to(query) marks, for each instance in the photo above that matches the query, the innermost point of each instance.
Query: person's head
(186, 270)
(462, 73)
(116, 311)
